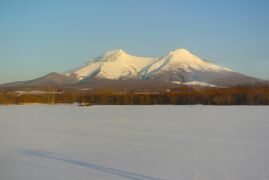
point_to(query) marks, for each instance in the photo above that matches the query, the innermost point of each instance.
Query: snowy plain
(62, 142)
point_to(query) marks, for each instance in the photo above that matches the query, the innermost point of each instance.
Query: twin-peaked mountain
(177, 67)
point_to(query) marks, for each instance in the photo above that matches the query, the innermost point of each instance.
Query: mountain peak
(112, 54)
(180, 52)
(117, 52)
(117, 64)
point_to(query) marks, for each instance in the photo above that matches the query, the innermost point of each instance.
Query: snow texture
(134, 142)
(182, 59)
(194, 83)
(117, 65)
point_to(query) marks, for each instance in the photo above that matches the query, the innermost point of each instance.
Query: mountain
(113, 65)
(118, 68)
(178, 66)
(51, 79)
(181, 65)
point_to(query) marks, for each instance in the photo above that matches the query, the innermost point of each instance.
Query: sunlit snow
(134, 142)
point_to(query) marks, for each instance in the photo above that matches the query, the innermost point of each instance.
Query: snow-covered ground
(134, 142)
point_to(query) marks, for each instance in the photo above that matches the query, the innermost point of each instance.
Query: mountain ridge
(140, 66)
(179, 65)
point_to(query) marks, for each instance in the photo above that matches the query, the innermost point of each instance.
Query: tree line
(240, 95)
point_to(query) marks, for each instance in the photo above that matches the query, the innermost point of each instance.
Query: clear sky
(41, 36)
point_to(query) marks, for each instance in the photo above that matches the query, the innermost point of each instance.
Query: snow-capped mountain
(179, 65)
(118, 67)
(182, 59)
(114, 65)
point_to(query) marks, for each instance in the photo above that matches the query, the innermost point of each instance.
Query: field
(62, 142)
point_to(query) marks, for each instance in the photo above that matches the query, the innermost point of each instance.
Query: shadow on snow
(112, 171)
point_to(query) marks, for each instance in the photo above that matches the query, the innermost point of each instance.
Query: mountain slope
(51, 79)
(181, 65)
(112, 65)
(118, 67)
(178, 65)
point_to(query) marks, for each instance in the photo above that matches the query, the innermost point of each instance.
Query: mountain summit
(176, 67)
(113, 65)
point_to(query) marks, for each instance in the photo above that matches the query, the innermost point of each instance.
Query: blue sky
(37, 36)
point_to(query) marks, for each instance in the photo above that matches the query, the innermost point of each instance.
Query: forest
(238, 95)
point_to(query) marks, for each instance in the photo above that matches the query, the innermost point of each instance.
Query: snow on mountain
(195, 83)
(182, 60)
(177, 66)
(115, 64)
